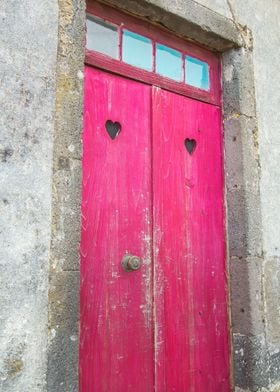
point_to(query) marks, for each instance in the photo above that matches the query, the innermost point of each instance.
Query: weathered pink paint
(164, 327)
(116, 339)
(191, 336)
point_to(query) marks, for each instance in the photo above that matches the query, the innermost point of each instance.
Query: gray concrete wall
(28, 52)
(41, 71)
(257, 300)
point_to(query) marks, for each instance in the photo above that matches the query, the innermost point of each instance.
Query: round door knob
(131, 263)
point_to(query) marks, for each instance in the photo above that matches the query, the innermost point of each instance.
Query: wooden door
(191, 336)
(152, 187)
(116, 340)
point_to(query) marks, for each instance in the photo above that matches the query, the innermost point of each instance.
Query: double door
(153, 277)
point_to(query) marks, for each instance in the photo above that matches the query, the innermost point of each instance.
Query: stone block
(188, 19)
(66, 215)
(243, 224)
(241, 153)
(247, 308)
(63, 332)
(255, 368)
(238, 83)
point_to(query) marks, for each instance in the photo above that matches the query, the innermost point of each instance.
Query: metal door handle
(131, 263)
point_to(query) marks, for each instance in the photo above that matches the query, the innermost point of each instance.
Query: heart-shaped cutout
(113, 128)
(190, 145)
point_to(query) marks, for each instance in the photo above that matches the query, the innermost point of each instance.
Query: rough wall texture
(38, 353)
(256, 274)
(28, 46)
(64, 260)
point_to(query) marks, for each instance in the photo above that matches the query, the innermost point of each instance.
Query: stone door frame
(187, 19)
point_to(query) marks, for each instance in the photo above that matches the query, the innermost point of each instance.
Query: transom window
(145, 53)
(134, 48)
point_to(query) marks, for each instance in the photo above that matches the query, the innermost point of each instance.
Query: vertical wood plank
(191, 331)
(116, 338)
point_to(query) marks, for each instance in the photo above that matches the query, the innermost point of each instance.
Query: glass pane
(102, 37)
(169, 62)
(197, 73)
(137, 50)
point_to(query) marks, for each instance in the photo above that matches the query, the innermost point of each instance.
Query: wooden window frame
(125, 21)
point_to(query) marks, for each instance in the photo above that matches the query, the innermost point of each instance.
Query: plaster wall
(41, 72)
(28, 55)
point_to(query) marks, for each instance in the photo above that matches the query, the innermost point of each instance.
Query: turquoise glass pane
(197, 73)
(102, 37)
(137, 50)
(169, 62)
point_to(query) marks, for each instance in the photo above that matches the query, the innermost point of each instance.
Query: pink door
(153, 189)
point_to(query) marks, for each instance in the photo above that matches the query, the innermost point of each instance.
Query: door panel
(191, 338)
(152, 187)
(116, 338)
